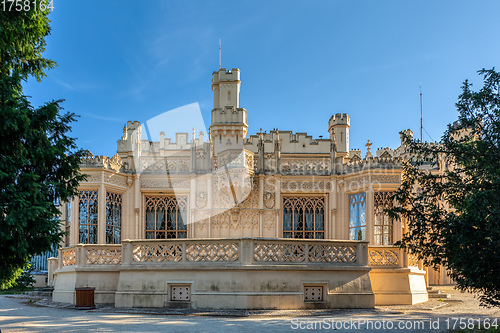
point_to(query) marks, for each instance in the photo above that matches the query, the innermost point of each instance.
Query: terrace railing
(233, 251)
(392, 257)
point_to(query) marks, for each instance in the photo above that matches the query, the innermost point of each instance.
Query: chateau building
(230, 220)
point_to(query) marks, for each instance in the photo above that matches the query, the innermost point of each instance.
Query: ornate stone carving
(222, 220)
(279, 252)
(332, 253)
(69, 257)
(201, 193)
(165, 184)
(386, 179)
(249, 219)
(305, 186)
(213, 252)
(104, 256)
(157, 253)
(252, 199)
(115, 180)
(305, 166)
(269, 219)
(269, 192)
(94, 178)
(249, 157)
(382, 257)
(358, 181)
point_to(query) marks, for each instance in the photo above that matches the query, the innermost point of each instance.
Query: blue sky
(300, 62)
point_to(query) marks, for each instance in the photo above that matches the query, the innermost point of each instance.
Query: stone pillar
(333, 209)
(370, 218)
(209, 203)
(192, 206)
(101, 214)
(261, 204)
(75, 222)
(139, 229)
(278, 203)
(342, 213)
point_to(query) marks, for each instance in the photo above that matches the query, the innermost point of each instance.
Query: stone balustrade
(83, 255)
(391, 257)
(236, 251)
(246, 251)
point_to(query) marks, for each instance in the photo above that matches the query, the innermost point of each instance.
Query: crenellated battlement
(224, 74)
(339, 119)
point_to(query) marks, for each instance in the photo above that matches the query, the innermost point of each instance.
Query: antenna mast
(220, 54)
(421, 114)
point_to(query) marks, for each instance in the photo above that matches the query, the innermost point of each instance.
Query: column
(139, 230)
(74, 237)
(278, 203)
(369, 213)
(342, 213)
(261, 204)
(192, 206)
(209, 203)
(333, 209)
(101, 214)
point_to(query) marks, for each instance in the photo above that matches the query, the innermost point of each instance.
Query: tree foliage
(450, 193)
(39, 162)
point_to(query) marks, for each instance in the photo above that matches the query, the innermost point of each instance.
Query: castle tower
(229, 122)
(338, 127)
(226, 88)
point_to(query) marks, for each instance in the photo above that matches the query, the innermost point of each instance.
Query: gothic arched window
(165, 217)
(357, 216)
(87, 218)
(113, 218)
(382, 233)
(304, 217)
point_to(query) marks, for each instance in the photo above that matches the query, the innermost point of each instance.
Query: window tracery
(383, 226)
(303, 217)
(87, 220)
(357, 216)
(165, 217)
(113, 218)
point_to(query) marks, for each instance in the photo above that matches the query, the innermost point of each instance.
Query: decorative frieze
(358, 181)
(94, 178)
(165, 184)
(305, 166)
(115, 180)
(386, 179)
(305, 186)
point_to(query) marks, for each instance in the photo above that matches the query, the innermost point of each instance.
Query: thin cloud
(102, 118)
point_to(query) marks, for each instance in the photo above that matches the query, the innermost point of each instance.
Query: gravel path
(25, 314)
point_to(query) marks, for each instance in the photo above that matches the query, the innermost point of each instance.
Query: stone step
(436, 293)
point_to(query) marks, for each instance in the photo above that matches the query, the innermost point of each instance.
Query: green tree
(39, 163)
(450, 194)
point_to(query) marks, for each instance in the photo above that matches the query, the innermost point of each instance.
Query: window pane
(303, 217)
(165, 216)
(87, 218)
